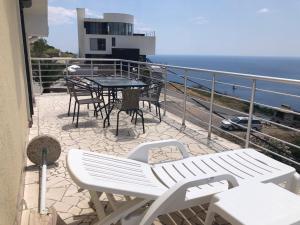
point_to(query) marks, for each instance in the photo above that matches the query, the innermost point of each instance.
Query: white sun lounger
(169, 186)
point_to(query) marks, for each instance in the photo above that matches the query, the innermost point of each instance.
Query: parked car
(240, 123)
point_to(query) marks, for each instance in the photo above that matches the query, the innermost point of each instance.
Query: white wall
(144, 43)
(80, 30)
(13, 113)
(36, 18)
(118, 17)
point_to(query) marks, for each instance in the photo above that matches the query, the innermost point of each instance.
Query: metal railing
(144, 33)
(193, 94)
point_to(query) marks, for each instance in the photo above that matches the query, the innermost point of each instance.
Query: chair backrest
(68, 84)
(130, 99)
(73, 90)
(75, 84)
(93, 84)
(154, 91)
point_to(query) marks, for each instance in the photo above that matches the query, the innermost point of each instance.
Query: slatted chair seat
(245, 165)
(90, 101)
(82, 93)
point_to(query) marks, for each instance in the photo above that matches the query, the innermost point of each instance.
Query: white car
(73, 68)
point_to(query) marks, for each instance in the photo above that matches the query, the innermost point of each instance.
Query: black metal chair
(130, 104)
(151, 95)
(95, 101)
(97, 90)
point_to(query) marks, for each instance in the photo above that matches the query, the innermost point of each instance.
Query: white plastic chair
(169, 186)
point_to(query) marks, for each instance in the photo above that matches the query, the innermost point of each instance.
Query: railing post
(213, 82)
(138, 72)
(150, 74)
(185, 98)
(92, 69)
(40, 76)
(115, 68)
(250, 113)
(165, 75)
(67, 64)
(128, 70)
(121, 68)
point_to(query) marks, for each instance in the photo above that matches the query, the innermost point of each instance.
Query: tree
(49, 73)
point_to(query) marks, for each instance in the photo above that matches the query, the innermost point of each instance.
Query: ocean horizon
(284, 67)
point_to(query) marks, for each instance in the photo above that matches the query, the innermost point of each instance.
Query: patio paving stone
(73, 204)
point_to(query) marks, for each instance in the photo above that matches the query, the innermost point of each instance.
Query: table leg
(110, 108)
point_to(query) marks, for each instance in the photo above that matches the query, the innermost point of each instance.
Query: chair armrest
(141, 152)
(175, 197)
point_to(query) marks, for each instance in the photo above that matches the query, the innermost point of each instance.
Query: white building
(112, 37)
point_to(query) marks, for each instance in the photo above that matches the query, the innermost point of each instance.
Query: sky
(193, 27)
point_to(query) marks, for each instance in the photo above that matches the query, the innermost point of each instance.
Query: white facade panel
(146, 45)
(118, 17)
(81, 31)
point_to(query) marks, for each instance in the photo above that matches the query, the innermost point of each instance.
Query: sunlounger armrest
(176, 195)
(141, 152)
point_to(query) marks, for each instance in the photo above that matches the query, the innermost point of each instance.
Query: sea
(283, 67)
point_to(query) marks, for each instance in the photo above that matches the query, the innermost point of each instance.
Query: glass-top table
(113, 84)
(117, 82)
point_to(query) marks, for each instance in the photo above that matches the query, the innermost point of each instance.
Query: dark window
(113, 42)
(97, 44)
(243, 122)
(111, 28)
(96, 28)
(101, 44)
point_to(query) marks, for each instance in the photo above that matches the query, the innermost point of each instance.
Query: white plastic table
(256, 204)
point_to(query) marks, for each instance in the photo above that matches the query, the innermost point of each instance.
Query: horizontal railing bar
(219, 72)
(277, 108)
(49, 70)
(88, 66)
(48, 76)
(197, 119)
(161, 80)
(259, 89)
(46, 82)
(258, 104)
(233, 135)
(258, 117)
(75, 59)
(277, 139)
(255, 131)
(216, 72)
(246, 115)
(277, 124)
(274, 153)
(172, 91)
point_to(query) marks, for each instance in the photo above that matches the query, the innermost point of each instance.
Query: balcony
(192, 114)
(144, 33)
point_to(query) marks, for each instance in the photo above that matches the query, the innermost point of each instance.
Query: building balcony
(191, 122)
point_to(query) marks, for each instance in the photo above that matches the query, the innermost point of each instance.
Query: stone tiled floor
(72, 203)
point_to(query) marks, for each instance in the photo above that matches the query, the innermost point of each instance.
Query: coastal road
(197, 111)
